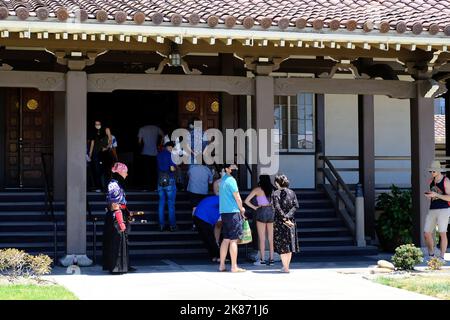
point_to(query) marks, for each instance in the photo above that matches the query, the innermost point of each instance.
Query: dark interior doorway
(124, 112)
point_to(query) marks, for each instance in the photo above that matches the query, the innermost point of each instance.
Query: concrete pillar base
(76, 259)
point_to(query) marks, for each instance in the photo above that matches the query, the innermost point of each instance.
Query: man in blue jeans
(166, 185)
(232, 213)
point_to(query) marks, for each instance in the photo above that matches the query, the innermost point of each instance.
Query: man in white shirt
(148, 139)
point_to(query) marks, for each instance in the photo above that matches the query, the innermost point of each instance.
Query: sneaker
(173, 228)
(259, 263)
(161, 228)
(270, 262)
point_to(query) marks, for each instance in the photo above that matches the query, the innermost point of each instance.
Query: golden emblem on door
(32, 104)
(190, 106)
(215, 106)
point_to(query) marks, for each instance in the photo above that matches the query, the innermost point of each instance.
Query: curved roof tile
(416, 16)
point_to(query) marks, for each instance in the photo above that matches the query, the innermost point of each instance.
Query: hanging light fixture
(174, 56)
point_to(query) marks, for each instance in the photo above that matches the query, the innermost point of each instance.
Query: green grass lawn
(436, 286)
(35, 292)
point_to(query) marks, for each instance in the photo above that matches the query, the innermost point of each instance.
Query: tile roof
(401, 16)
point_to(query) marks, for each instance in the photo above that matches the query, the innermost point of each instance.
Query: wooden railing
(340, 194)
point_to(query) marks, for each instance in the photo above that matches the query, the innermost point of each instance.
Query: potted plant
(394, 225)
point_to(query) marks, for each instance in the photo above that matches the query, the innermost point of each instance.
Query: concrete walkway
(176, 280)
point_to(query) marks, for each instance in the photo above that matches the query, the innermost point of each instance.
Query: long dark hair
(266, 185)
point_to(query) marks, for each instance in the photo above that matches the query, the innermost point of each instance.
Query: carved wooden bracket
(263, 68)
(166, 61)
(344, 65)
(76, 62)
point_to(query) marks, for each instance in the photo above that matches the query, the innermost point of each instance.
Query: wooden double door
(202, 105)
(29, 137)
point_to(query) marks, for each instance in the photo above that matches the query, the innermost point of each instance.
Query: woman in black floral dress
(285, 205)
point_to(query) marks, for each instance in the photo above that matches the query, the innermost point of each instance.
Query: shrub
(16, 263)
(407, 256)
(435, 263)
(395, 223)
(40, 264)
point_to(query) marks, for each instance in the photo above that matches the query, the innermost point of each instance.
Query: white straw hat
(436, 166)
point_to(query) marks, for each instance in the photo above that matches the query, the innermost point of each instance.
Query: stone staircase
(24, 225)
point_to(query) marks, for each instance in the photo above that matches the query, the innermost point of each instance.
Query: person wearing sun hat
(439, 212)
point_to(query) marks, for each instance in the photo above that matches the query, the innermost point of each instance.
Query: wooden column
(242, 123)
(2, 137)
(422, 153)
(265, 100)
(366, 141)
(227, 110)
(320, 136)
(447, 121)
(59, 147)
(76, 113)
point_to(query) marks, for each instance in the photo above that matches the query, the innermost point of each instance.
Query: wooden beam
(108, 82)
(204, 46)
(44, 81)
(391, 88)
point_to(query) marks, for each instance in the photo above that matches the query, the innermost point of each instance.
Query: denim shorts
(265, 214)
(232, 225)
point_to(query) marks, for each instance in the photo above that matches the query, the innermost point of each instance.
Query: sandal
(239, 270)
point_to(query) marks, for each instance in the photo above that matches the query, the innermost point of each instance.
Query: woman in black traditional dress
(285, 205)
(116, 228)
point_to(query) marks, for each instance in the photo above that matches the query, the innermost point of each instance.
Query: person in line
(285, 204)
(206, 216)
(439, 212)
(101, 140)
(264, 217)
(116, 227)
(232, 213)
(167, 188)
(198, 141)
(199, 179)
(148, 140)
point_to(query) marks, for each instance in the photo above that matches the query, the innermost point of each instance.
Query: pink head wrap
(119, 167)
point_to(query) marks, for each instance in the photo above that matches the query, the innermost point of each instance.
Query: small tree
(407, 256)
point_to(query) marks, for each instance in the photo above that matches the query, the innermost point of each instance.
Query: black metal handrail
(49, 203)
(93, 220)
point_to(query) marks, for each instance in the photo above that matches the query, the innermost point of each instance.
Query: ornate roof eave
(293, 35)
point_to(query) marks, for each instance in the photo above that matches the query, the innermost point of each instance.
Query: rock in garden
(385, 264)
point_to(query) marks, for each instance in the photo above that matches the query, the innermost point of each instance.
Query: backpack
(164, 179)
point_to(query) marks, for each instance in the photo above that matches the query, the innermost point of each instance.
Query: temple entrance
(28, 134)
(126, 111)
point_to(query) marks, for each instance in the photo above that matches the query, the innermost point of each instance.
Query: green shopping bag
(246, 233)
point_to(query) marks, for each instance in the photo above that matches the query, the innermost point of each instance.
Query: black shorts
(232, 225)
(195, 198)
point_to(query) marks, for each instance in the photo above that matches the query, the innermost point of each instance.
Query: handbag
(246, 233)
